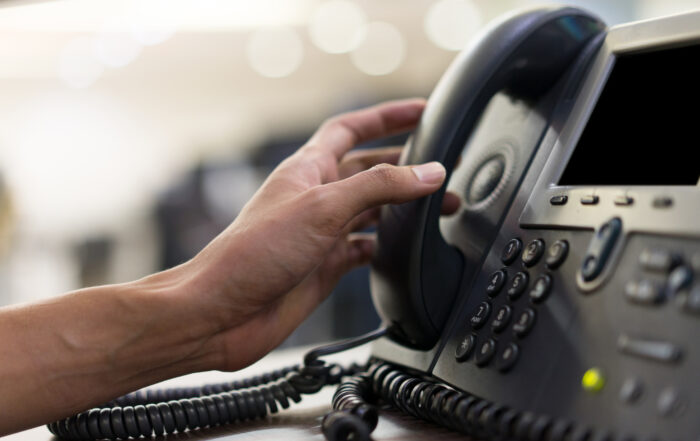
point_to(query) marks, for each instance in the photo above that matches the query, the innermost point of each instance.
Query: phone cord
(145, 413)
(434, 402)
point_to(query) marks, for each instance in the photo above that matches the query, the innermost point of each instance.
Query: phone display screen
(645, 128)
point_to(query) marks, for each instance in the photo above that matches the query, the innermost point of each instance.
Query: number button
(524, 323)
(481, 315)
(508, 357)
(541, 288)
(518, 285)
(511, 251)
(533, 252)
(502, 318)
(496, 282)
(556, 254)
(465, 347)
(486, 352)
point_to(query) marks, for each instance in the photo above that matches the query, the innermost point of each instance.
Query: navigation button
(599, 249)
(556, 254)
(465, 347)
(644, 291)
(656, 350)
(680, 279)
(670, 403)
(662, 202)
(481, 315)
(486, 352)
(496, 281)
(524, 322)
(631, 390)
(511, 251)
(533, 252)
(517, 285)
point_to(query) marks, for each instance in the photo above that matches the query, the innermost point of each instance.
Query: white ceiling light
(275, 52)
(77, 66)
(337, 26)
(450, 24)
(381, 51)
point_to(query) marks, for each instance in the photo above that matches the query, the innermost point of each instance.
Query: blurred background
(133, 131)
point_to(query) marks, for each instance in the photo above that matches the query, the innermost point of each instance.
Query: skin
(239, 298)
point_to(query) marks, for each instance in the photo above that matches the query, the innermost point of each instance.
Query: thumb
(387, 184)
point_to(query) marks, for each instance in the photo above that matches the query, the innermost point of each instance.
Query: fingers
(343, 132)
(359, 160)
(384, 184)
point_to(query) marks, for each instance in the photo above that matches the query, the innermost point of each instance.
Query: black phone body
(577, 297)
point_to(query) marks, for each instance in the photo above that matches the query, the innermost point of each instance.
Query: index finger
(343, 132)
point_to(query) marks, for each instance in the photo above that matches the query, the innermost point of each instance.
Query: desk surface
(300, 422)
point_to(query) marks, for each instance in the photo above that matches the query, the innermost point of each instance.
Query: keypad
(507, 358)
(518, 285)
(511, 251)
(502, 318)
(556, 254)
(486, 352)
(465, 347)
(533, 252)
(496, 282)
(541, 288)
(524, 322)
(481, 315)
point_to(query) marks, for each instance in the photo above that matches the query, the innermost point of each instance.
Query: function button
(508, 357)
(517, 285)
(670, 403)
(502, 318)
(599, 249)
(486, 352)
(623, 200)
(511, 251)
(559, 199)
(524, 322)
(533, 252)
(481, 315)
(593, 380)
(662, 202)
(692, 301)
(680, 279)
(465, 347)
(631, 390)
(496, 281)
(589, 199)
(656, 350)
(644, 291)
(556, 254)
(541, 288)
(658, 260)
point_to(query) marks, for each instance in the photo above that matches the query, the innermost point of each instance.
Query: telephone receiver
(416, 273)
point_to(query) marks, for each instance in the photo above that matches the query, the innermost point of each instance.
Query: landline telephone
(559, 303)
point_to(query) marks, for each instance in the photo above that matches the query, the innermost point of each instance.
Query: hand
(296, 237)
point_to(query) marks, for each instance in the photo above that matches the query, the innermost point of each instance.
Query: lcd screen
(645, 128)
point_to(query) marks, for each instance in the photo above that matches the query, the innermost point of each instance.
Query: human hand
(296, 237)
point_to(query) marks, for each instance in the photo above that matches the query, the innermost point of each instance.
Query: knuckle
(325, 211)
(385, 174)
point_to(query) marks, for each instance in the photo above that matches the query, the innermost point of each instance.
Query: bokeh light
(450, 24)
(275, 52)
(382, 50)
(337, 26)
(78, 67)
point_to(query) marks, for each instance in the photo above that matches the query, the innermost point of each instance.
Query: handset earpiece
(415, 273)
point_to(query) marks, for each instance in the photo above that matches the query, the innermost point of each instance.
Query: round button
(541, 288)
(465, 347)
(481, 315)
(631, 390)
(502, 318)
(511, 251)
(496, 281)
(486, 352)
(533, 252)
(524, 322)
(670, 403)
(518, 285)
(556, 254)
(508, 357)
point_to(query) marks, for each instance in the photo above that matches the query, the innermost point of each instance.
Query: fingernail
(430, 173)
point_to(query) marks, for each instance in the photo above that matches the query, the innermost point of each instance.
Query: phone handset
(415, 273)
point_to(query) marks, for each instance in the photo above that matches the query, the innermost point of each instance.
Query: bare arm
(232, 303)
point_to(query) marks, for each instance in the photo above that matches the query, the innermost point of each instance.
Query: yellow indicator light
(593, 380)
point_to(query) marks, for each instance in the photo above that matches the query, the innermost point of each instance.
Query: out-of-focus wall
(132, 131)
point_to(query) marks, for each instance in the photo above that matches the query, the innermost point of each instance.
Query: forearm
(73, 352)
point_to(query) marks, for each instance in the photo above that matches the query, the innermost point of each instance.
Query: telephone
(559, 304)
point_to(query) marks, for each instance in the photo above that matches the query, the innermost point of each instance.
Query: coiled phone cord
(155, 412)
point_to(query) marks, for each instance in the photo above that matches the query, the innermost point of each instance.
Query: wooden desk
(301, 422)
